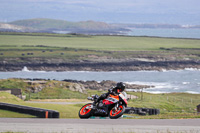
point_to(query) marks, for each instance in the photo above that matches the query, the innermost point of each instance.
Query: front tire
(116, 113)
(85, 113)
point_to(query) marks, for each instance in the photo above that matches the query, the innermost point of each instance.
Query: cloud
(135, 6)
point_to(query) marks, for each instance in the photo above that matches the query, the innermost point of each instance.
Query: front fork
(116, 106)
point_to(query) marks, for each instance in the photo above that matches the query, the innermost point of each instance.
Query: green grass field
(174, 105)
(72, 48)
(107, 43)
(172, 102)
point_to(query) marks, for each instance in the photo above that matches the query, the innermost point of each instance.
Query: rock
(77, 87)
(105, 85)
(37, 86)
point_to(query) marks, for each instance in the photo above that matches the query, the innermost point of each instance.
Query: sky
(111, 11)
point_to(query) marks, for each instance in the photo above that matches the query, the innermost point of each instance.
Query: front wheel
(85, 113)
(116, 112)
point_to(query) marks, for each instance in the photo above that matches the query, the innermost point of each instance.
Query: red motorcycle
(113, 106)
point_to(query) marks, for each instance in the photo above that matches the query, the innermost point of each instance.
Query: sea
(165, 32)
(157, 32)
(166, 81)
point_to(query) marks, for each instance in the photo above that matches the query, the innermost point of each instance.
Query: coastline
(102, 66)
(166, 81)
(160, 53)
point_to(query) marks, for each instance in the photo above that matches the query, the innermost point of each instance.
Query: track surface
(99, 125)
(56, 102)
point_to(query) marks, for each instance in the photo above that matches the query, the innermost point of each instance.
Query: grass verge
(170, 109)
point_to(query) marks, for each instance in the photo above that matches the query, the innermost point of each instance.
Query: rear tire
(85, 113)
(114, 114)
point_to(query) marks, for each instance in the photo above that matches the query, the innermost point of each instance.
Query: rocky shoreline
(75, 85)
(105, 85)
(102, 66)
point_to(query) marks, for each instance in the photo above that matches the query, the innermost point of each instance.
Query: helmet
(120, 86)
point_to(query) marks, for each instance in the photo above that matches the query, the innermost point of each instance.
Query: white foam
(157, 85)
(163, 70)
(142, 71)
(135, 90)
(160, 92)
(192, 92)
(141, 83)
(192, 69)
(185, 83)
(176, 88)
(156, 92)
(25, 69)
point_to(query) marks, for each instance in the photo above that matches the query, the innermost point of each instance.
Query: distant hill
(82, 27)
(11, 27)
(51, 25)
(41, 23)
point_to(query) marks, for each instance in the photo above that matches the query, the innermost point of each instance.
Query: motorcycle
(113, 106)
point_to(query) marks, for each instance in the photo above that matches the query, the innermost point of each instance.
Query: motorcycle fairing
(123, 97)
(110, 100)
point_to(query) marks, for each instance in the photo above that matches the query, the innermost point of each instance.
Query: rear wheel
(85, 113)
(116, 112)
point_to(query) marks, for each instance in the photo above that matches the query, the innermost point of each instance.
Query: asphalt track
(57, 102)
(35, 125)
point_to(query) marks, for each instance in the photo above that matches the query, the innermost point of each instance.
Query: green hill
(41, 23)
(52, 24)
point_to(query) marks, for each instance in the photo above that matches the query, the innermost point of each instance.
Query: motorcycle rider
(120, 87)
(111, 104)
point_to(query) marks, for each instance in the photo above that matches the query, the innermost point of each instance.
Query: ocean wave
(164, 70)
(176, 88)
(157, 85)
(160, 92)
(135, 90)
(192, 69)
(141, 83)
(192, 92)
(25, 69)
(185, 83)
(156, 92)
